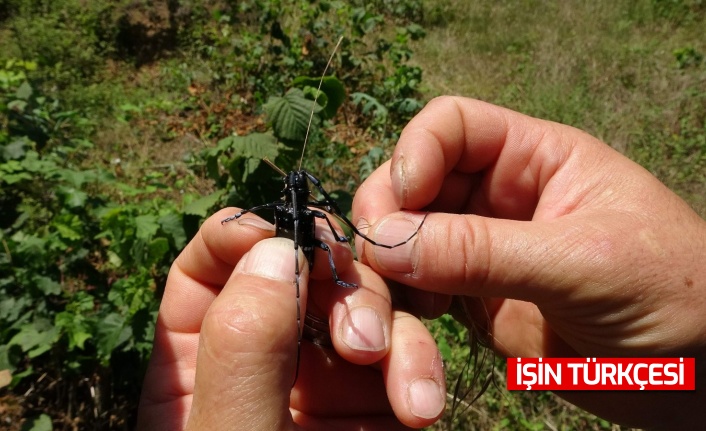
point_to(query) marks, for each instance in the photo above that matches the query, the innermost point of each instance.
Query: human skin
(573, 249)
(225, 349)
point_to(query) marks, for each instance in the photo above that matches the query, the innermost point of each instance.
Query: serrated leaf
(255, 146)
(78, 339)
(67, 232)
(74, 323)
(202, 206)
(146, 225)
(331, 86)
(47, 286)
(289, 115)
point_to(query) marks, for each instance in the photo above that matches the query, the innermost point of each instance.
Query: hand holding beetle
(225, 349)
(574, 249)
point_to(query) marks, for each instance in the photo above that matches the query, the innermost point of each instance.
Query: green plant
(688, 56)
(82, 253)
(89, 229)
(236, 163)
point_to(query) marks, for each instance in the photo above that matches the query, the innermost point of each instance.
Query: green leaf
(67, 232)
(24, 91)
(75, 198)
(47, 286)
(114, 260)
(16, 149)
(41, 423)
(75, 178)
(289, 115)
(312, 93)
(29, 245)
(33, 340)
(250, 166)
(173, 225)
(255, 146)
(74, 324)
(409, 106)
(444, 349)
(156, 250)
(369, 104)
(17, 105)
(18, 376)
(147, 226)
(331, 86)
(16, 178)
(11, 307)
(212, 167)
(252, 148)
(202, 206)
(5, 362)
(78, 339)
(113, 331)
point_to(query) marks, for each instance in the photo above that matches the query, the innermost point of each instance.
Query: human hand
(225, 349)
(575, 249)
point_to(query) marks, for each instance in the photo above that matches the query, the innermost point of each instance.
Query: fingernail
(257, 223)
(362, 226)
(363, 330)
(425, 398)
(402, 258)
(272, 258)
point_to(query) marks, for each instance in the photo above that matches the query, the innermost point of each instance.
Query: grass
(630, 73)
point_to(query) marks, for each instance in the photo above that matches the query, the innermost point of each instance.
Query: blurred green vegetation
(629, 72)
(123, 124)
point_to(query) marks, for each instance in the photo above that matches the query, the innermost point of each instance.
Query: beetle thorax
(296, 181)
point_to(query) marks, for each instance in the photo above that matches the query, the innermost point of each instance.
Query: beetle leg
(322, 245)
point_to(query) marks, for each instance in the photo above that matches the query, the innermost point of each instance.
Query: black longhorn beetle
(295, 219)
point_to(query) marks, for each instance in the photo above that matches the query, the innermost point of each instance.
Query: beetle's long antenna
(275, 167)
(311, 116)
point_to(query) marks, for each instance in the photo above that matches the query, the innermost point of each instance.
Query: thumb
(473, 255)
(247, 354)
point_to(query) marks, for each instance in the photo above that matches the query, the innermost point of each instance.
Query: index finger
(203, 267)
(500, 160)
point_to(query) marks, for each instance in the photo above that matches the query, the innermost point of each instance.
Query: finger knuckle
(244, 327)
